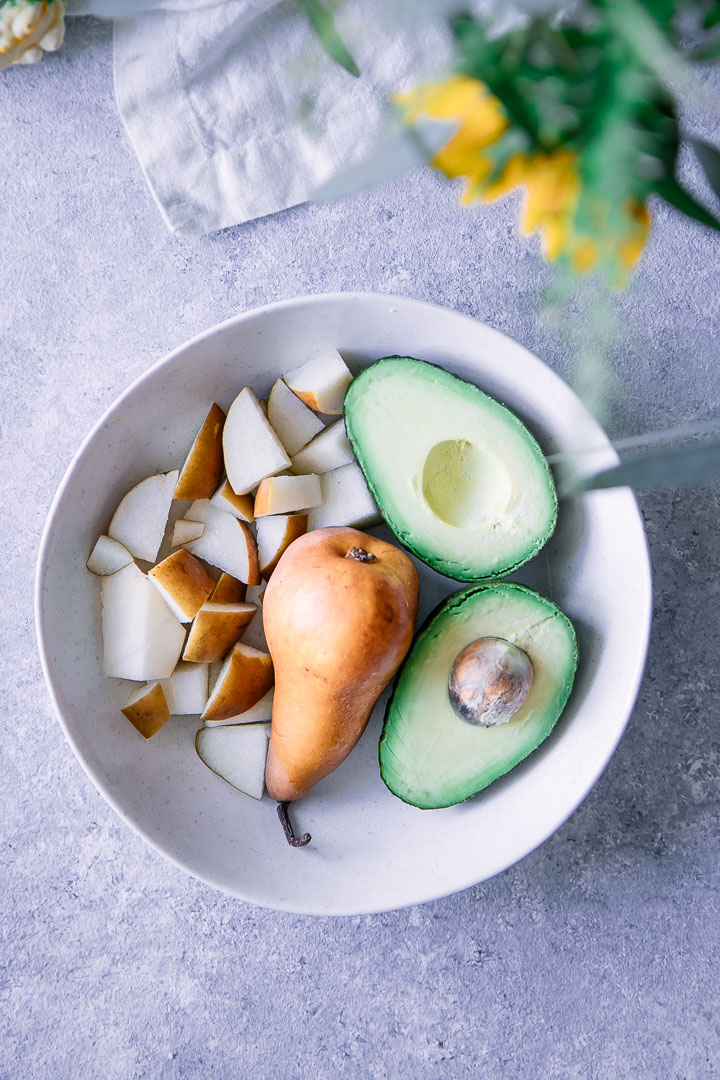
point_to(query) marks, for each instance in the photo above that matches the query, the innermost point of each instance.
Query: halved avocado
(429, 756)
(458, 477)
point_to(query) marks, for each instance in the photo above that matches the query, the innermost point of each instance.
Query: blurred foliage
(589, 225)
(579, 109)
(656, 469)
(581, 112)
(323, 23)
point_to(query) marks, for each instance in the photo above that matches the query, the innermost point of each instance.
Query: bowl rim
(313, 299)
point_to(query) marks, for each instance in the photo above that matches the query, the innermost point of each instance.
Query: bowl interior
(370, 852)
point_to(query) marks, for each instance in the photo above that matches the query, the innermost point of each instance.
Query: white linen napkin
(234, 109)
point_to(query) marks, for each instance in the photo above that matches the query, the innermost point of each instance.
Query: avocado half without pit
(484, 684)
(457, 476)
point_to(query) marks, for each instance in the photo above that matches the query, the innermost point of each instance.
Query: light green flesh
(429, 757)
(458, 478)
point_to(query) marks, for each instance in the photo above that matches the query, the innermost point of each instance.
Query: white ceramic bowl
(370, 852)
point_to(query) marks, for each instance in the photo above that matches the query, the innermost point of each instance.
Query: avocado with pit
(457, 476)
(482, 687)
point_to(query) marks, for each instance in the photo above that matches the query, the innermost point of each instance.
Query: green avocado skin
(432, 557)
(432, 630)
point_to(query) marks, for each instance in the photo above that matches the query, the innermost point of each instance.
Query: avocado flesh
(457, 476)
(429, 757)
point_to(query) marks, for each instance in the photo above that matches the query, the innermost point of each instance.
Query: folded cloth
(234, 109)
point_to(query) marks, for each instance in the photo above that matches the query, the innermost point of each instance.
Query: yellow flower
(481, 121)
(457, 98)
(554, 195)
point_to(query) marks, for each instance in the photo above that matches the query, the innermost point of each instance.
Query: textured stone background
(597, 956)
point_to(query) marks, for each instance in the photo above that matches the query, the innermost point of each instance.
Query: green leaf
(502, 65)
(712, 17)
(662, 11)
(648, 34)
(709, 158)
(669, 190)
(662, 468)
(324, 25)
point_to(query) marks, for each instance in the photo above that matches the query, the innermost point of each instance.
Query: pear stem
(360, 555)
(292, 839)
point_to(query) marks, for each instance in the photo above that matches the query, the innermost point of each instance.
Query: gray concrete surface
(596, 957)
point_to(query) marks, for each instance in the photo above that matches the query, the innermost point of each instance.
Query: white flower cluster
(28, 28)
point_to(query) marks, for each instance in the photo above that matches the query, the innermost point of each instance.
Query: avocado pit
(489, 681)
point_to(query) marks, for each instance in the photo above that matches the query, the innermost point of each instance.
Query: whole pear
(339, 614)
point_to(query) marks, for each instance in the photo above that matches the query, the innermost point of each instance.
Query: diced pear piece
(291, 420)
(108, 556)
(329, 450)
(228, 590)
(184, 584)
(142, 639)
(252, 449)
(141, 516)
(147, 709)
(240, 506)
(283, 494)
(215, 628)
(346, 500)
(186, 691)
(274, 535)
(203, 468)
(261, 711)
(228, 544)
(237, 754)
(184, 531)
(322, 382)
(197, 511)
(245, 678)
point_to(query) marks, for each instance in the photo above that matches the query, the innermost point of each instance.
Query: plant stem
(292, 839)
(360, 555)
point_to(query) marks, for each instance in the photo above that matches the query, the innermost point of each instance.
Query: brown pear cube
(228, 590)
(147, 709)
(216, 627)
(184, 584)
(240, 506)
(185, 531)
(284, 494)
(203, 468)
(276, 533)
(245, 678)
